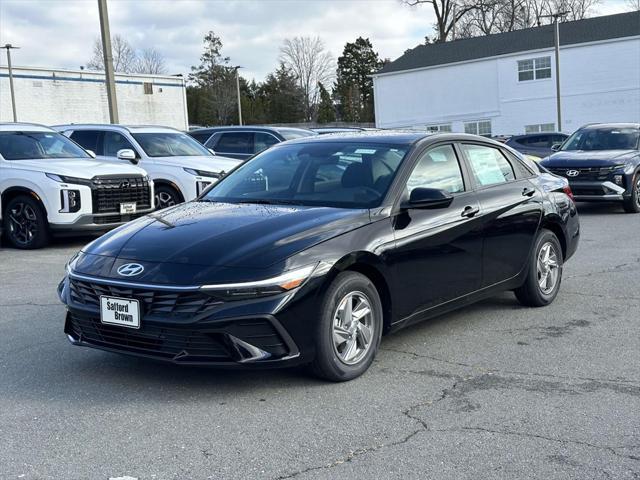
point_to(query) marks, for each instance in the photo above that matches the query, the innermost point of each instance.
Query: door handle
(469, 211)
(528, 192)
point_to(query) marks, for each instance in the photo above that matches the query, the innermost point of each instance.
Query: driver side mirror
(428, 198)
(556, 146)
(91, 153)
(128, 155)
(211, 150)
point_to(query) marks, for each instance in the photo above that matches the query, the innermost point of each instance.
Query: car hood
(77, 167)
(213, 163)
(224, 234)
(588, 158)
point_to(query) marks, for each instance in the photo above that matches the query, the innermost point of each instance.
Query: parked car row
(92, 178)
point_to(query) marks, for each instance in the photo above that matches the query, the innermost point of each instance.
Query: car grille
(109, 192)
(153, 302)
(586, 173)
(179, 344)
(183, 344)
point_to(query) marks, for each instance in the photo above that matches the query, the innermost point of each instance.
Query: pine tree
(326, 110)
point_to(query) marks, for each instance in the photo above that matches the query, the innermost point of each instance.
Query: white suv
(49, 185)
(179, 165)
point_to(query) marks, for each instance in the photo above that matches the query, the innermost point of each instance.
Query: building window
(481, 127)
(534, 69)
(148, 88)
(540, 127)
(445, 127)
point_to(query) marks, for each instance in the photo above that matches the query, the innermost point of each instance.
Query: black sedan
(602, 164)
(311, 251)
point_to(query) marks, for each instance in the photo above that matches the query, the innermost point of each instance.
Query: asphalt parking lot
(492, 391)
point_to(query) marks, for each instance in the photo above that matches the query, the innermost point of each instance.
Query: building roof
(571, 33)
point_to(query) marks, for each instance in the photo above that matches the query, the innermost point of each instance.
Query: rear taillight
(567, 189)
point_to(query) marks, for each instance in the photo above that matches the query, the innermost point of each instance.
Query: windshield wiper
(264, 201)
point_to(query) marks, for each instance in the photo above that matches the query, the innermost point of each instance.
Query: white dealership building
(55, 96)
(505, 83)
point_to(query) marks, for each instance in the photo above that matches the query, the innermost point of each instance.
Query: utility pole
(108, 61)
(556, 25)
(10, 47)
(238, 91)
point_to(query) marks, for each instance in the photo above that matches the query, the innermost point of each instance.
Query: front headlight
(203, 173)
(71, 180)
(272, 286)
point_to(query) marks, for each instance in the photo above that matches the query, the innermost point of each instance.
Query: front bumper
(181, 327)
(99, 222)
(595, 191)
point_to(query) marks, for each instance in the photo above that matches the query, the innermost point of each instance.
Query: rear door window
(488, 165)
(88, 139)
(235, 142)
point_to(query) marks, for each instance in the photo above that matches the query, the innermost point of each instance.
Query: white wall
(63, 96)
(600, 82)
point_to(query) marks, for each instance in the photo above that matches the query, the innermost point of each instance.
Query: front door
(438, 251)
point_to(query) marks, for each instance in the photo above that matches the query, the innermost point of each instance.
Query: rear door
(438, 255)
(511, 210)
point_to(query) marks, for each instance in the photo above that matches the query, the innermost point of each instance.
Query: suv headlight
(204, 173)
(272, 286)
(72, 180)
(69, 198)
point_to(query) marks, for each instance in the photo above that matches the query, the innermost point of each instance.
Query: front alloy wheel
(167, 197)
(25, 223)
(632, 204)
(349, 329)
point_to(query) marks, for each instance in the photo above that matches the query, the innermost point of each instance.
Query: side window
(488, 165)
(437, 168)
(114, 141)
(262, 141)
(201, 137)
(87, 139)
(235, 142)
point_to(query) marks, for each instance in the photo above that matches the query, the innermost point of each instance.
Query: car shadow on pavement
(593, 208)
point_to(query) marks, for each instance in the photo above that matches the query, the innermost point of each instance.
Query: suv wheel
(545, 272)
(25, 223)
(167, 196)
(349, 330)
(632, 204)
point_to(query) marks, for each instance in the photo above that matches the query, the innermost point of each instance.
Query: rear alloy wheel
(632, 204)
(25, 223)
(543, 279)
(167, 197)
(350, 328)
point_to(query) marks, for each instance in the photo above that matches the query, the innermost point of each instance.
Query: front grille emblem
(573, 173)
(130, 269)
(125, 184)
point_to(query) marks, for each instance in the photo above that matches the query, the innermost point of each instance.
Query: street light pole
(238, 91)
(556, 26)
(108, 61)
(10, 47)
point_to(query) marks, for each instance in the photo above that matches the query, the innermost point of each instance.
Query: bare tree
(576, 9)
(633, 5)
(124, 55)
(150, 61)
(307, 58)
(448, 14)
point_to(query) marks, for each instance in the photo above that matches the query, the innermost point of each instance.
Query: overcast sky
(60, 33)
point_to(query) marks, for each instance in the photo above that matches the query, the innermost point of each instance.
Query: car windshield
(170, 144)
(348, 175)
(293, 133)
(603, 139)
(37, 146)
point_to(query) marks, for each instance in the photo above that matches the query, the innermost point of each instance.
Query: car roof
(257, 128)
(23, 127)
(118, 127)
(610, 125)
(395, 137)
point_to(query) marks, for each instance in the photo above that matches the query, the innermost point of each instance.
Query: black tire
(167, 196)
(632, 204)
(531, 293)
(328, 363)
(25, 223)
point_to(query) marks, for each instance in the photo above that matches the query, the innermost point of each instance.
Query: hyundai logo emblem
(130, 269)
(125, 184)
(573, 173)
